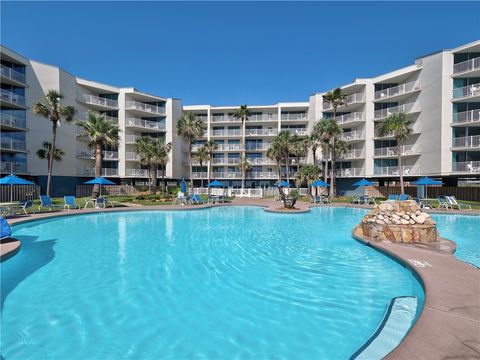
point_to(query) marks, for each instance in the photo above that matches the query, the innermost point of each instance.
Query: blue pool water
(232, 282)
(465, 231)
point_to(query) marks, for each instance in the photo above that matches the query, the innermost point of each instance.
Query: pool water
(465, 231)
(234, 282)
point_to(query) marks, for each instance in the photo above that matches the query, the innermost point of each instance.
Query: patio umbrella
(183, 186)
(363, 182)
(216, 183)
(425, 181)
(283, 183)
(14, 180)
(100, 181)
(319, 183)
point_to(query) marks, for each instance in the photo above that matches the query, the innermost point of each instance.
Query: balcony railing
(136, 105)
(12, 98)
(250, 147)
(466, 117)
(199, 175)
(263, 117)
(469, 65)
(348, 172)
(90, 154)
(261, 161)
(405, 108)
(226, 133)
(349, 118)
(145, 124)
(141, 173)
(467, 91)
(261, 175)
(228, 161)
(203, 118)
(14, 121)
(397, 90)
(229, 147)
(352, 154)
(90, 172)
(224, 118)
(472, 167)
(299, 132)
(226, 175)
(13, 167)
(261, 132)
(13, 74)
(132, 156)
(466, 142)
(392, 151)
(13, 144)
(352, 135)
(131, 139)
(350, 99)
(392, 170)
(100, 101)
(294, 117)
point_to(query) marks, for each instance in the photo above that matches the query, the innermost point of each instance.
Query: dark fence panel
(113, 190)
(461, 193)
(19, 192)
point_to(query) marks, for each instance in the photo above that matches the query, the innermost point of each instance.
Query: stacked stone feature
(398, 221)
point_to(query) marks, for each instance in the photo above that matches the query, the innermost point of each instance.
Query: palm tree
(189, 127)
(210, 146)
(162, 150)
(274, 152)
(331, 134)
(400, 126)
(313, 141)
(52, 109)
(300, 149)
(319, 133)
(284, 140)
(44, 153)
(101, 133)
(201, 156)
(308, 172)
(242, 113)
(244, 166)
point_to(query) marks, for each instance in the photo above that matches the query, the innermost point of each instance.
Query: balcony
(392, 170)
(349, 118)
(294, 117)
(297, 161)
(467, 92)
(352, 136)
(90, 154)
(9, 98)
(131, 156)
(229, 147)
(12, 76)
(131, 139)
(99, 102)
(467, 117)
(112, 120)
(298, 132)
(466, 67)
(144, 108)
(357, 98)
(348, 172)
(199, 175)
(203, 118)
(90, 172)
(353, 154)
(472, 142)
(144, 124)
(261, 132)
(13, 121)
(392, 151)
(251, 147)
(416, 129)
(226, 175)
(262, 117)
(13, 144)
(396, 91)
(224, 119)
(405, 108)
(261, 175)
(13, 168)
(261, 161)
(469, 167)
(225, 161)
(226, 133)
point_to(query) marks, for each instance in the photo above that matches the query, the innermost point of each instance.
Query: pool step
(396, 322)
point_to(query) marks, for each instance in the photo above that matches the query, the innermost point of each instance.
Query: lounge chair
(70, 202)
(46, 202)
(181, 199)
(392, 197)
(26, 205)
(325, 199)
(103, 202)
(403, 197)
(443, 203)
(355, 200)
(454, 204)
(196, 199)
(5, 231)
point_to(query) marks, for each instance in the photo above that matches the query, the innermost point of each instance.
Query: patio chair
(70, 202)
(5, 230)
(26, 205)
(452, 201)
(392, 197)
(46, 202)
(196, 199)
(443, 203)
(325, 199)
(103, 202)
(403, 197)
(181, 199)
(354, 200)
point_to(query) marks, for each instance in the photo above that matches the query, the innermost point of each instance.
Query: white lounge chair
(454, 204)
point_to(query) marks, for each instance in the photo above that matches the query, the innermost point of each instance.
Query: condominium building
(440, 91)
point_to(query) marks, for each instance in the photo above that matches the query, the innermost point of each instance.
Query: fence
(19, 192)
(461, 193)
(113, 190)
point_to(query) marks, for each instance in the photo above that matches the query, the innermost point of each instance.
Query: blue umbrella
(14, 180)
(183, 186)
(283, 183)
(100, 181)
(216, 183)
(363, 182)
(319, 183)
(427, 181)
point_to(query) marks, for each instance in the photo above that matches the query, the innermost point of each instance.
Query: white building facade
(441, 91)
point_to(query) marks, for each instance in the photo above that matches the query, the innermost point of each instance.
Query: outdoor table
(93, 202)
(428, 202)
(10, 206)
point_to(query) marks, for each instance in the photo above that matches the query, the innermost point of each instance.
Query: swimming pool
(464, 230)
(231, 282)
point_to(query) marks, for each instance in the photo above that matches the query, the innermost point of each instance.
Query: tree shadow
(32, 256)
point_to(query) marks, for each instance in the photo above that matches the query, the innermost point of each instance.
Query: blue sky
(228, 53)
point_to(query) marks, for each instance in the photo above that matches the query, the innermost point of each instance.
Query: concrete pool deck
(449, 325)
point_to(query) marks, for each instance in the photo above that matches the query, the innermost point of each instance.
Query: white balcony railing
(466, 117)
(224, 118)
(352, 135)
(100, 101)
(12, 98)
(226, 175)
(405, 108)
(13, 74)
(469, 65)
(392, 170)
(353, 154)
(203, 118)
(298, 132)
(467, 91)
(13, 144)
(250, 147)
(263, 117)
(131, 156)
(472, 167)
(261, 161)
(397, 90)
(348, 172)
(349, 118)
(350, 99)
(226, 133)
(90, 154)
(261, 132)
(227, 161)
(136, 172)
(131, 139)
(392, 151)
(466, 142)
(199, 175)
(261, 175)
(14, 121)
(229, 147)
(294, 117)
(90, 172)
(13, 167)
(145, 124)
(136, 105)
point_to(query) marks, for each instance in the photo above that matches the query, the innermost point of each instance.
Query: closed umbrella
(183, 186)
(14, 180)
(425, 181)
(100, 181)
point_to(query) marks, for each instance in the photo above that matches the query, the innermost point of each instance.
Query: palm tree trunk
(154, 179)
(163, 180)
(332, 182)
(98, 167)
(287, 159)
(400, 167)
(325, 151)
(201, 175)
(279, 169)
(243, 149)
(209, 168)
(50, 158)
(191, 167)
(314, 150)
